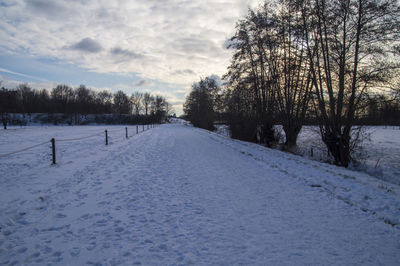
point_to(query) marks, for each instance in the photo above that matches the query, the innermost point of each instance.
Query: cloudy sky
(161, 46)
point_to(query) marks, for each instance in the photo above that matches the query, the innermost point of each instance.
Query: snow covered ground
(379, 154)
(175, 194)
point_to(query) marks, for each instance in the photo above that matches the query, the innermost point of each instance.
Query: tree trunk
(267, 133)
(291, 133)
(4, 119)
(339, 147)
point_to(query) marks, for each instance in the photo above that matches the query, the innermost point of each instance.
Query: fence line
(25, 149)
(52, 141)
(86, 137)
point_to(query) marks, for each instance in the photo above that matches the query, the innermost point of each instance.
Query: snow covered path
(180, 195)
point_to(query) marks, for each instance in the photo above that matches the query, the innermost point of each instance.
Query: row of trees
(296, 59)
(82, 100)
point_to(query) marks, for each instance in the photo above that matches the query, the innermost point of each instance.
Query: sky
(158, 46)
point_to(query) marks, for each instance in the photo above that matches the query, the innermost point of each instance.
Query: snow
(175, 194)
(379, 154)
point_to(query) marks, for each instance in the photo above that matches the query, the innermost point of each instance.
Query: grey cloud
(196, 45)
(87, 45)
(7, 4)
(177, 102)
(142, 83)
(47, 8)
(125, 53)
(183, 72)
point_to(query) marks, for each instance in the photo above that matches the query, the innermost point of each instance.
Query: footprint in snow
(119, 229)
(22, 250)
(47, 250)
(60, 215)
(85, 216)
(57, 254)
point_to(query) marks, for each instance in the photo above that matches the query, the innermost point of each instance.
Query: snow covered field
(379, 156)
(175, 194)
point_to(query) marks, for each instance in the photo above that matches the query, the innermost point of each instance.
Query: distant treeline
(140, 107)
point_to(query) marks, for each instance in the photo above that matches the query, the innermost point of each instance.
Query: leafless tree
(147, 99)
(137, 102)
(351, 46)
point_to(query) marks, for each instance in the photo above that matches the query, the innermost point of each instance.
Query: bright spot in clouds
(152, 45)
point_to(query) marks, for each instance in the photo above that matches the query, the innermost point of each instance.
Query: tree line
(334, 63)
(64, 99)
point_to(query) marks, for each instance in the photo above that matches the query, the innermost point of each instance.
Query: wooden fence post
(106, 137)
(53, 149)
(126, 132)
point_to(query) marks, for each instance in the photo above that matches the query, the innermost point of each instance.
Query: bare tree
(348, 45)
(122, 104)
(147, 99)
(288, 66)
(199, 105)
(250, 78)
(104, 100)
(62, 97)
(137, 100)
(8, 104)
(169, 109)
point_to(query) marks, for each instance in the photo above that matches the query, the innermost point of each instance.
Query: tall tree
(104, 100)
(351, 46)
(84, 99)
(8, 104)
(147, 99)
(136, 100)
(122, 105)
(62, 97)
(288, 66)
(199, 105)
(250, 78)
(26, 98)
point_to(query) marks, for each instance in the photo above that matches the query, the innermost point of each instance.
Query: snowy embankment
(179, 195)
(378, 154)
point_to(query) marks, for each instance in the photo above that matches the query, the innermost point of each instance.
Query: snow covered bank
(379, 155)
(180, 195)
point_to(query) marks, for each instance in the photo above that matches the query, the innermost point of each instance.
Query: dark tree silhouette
(351, 47)
(199, 105)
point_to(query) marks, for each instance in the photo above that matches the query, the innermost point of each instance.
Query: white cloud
(171, 41)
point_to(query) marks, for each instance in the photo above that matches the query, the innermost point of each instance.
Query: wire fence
(24, 149)
(81, 138)
(53, 140)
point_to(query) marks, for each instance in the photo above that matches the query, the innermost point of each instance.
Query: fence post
(147, 126)
(137, 129)
(106, 136)
(312, 152)
(126, 132)
(53, 149)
